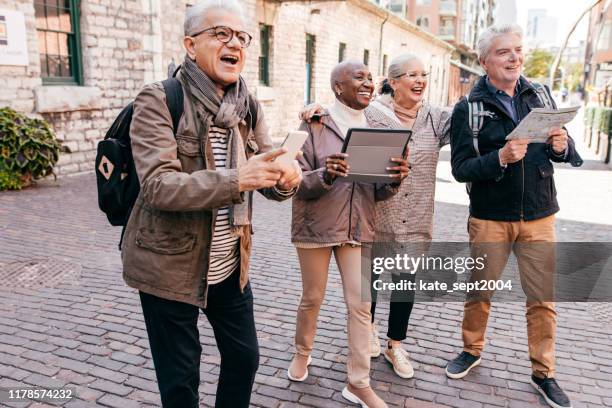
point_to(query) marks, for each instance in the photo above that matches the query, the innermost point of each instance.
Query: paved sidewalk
(82, 325)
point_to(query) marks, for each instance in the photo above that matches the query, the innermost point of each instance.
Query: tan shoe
(365, 397)
(398, 357)
(374, 342)
(299, 367)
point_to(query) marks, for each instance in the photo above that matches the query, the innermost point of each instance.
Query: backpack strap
(543, 95)
(475, 120)
(174, 100)
(253, 111)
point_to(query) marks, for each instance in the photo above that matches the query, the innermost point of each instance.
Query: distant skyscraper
(505, 12)
(541, 29)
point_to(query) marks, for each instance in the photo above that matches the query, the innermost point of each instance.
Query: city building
(505, 12)
(78, 64)
(574, 54)
(541, 29)
(458, 22)
(598, 54)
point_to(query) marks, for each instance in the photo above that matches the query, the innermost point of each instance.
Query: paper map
(540, 121)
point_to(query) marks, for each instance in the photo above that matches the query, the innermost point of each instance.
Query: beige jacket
(167, 239)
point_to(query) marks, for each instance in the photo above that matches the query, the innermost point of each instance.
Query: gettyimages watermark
(500, 272)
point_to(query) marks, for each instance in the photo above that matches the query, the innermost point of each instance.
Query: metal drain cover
(39, 273)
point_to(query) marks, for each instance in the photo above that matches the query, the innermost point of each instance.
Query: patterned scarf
(225, 113)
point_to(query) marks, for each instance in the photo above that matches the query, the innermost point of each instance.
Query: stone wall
(126, 44)
(357, 23)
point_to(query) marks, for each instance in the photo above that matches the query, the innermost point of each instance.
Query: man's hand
(401, 169)
(260, 171)
(558, 139)
(309, 111)
(513, 151)
(335, 166)
(292, 176)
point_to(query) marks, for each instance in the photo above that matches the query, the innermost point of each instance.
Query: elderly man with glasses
(188, 240)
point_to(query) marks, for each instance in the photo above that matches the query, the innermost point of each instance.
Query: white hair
(485, 39)
(195, 14)
(397, 67)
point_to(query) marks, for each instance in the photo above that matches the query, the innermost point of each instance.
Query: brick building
(87, 59)
(458, 22)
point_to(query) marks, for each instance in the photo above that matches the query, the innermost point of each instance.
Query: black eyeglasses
(225, 34)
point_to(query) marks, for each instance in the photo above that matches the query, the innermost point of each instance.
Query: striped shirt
(224, 257)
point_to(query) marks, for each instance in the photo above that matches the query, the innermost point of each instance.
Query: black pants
(400, 308)
(176, 349)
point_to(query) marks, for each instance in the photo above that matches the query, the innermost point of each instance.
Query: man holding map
(512, 199)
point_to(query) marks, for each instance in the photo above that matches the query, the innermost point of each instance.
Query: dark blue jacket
(525, 189)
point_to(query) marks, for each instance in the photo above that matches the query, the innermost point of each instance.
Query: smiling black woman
(340, 217)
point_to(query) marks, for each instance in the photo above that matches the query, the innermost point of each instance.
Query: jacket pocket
(252, 147)
(187, 146)
(546, 170)
(545, 189)
(165, 243)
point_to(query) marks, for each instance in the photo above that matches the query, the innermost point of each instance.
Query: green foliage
(28, 148)
(599, 119)
(589, 116)
(10, 181)
(605, 122)
(573, 76)
(596, 119)
(538, 64)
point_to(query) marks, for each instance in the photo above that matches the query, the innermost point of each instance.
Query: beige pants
(536, 262)
(314, 264)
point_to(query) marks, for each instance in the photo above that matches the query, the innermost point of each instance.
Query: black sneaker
(461, 365)
(552, 393)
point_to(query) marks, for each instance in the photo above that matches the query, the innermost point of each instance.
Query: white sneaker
(398, 357)
(374, 342)
(303, 377)
(372, 400)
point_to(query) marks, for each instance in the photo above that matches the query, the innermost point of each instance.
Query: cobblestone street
(82, 326)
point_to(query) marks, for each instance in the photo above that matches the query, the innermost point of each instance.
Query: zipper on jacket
(351, 210)
(522, 185)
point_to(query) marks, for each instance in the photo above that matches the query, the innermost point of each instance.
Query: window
(57, 26)
(264, 54)
(384, 70)
(310, 57)
(366, 57)
(341, 52)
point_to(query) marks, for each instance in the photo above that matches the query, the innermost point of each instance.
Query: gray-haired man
(512, 203)
(187, 243)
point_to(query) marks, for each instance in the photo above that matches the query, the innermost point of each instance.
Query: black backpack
(118, 184)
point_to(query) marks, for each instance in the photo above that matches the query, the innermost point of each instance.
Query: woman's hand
(401, 169)
(335, 166)
(311, 110)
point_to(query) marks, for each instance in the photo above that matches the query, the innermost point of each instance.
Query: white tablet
(293, 143)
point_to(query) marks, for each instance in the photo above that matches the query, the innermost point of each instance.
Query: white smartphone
(293, 143)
